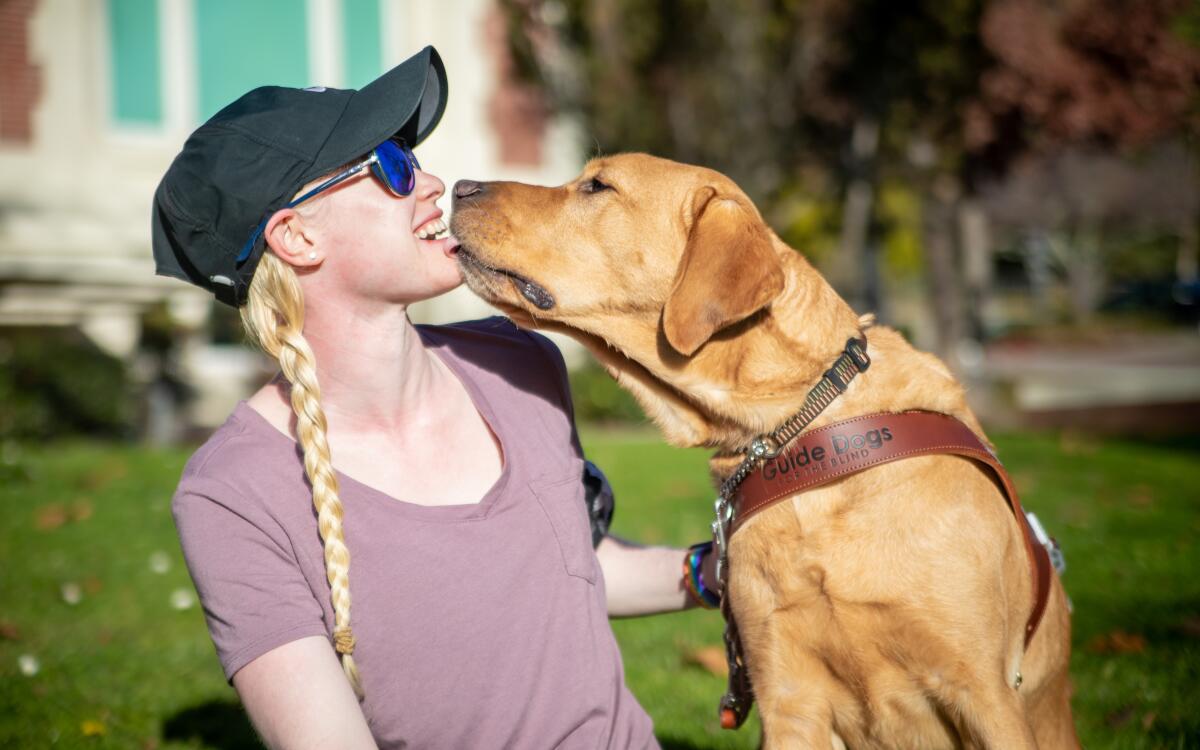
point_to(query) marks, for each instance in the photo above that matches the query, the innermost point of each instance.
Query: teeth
(431, 229)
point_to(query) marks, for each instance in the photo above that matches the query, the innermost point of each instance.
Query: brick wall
(517, 111)
(19, 77)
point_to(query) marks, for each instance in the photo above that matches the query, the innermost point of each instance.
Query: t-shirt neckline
(454, 512)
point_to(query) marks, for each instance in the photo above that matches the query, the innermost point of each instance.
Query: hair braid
(274, 316)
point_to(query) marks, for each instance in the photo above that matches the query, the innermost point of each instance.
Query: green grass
(123, 668)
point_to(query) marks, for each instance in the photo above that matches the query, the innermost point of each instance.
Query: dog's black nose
(467, 189)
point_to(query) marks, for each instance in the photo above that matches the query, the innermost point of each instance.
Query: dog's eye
(594, 185)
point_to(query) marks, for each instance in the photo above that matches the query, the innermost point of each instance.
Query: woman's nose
(428, 187)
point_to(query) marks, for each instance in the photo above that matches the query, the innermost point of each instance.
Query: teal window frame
(135, 59)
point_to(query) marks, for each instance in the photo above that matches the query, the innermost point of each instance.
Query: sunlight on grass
(102, 644)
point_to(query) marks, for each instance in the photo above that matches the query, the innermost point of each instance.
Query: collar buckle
(857, 351)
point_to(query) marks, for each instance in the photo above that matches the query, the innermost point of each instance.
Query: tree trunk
(848, 271)
(1187, 262)
(977, 265)
(941, 267)
(1085, 273)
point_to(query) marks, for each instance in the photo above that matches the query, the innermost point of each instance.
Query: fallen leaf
(92, 585)
(709, 658)
(1191, 626)
(1117, 642)
(81, 510)
(9, 631)
(103, 476)
(93, 728)
(1076, 444)
(1119, 718)
(150, 743)
(1148, 720)
(1141, 496)
(50, 517)
(679, 488)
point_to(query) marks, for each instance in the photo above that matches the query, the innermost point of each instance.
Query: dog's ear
(729, 271)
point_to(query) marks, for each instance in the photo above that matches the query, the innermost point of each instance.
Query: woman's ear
(291, 239)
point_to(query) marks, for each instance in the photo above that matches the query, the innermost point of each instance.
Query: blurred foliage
(763, 89)
(900, 213)
(807, 223)
(55, 382)
(225, 324)
(1186, 25)
(925, 104)
(1140, 257)
(598, 399)
(160, 331)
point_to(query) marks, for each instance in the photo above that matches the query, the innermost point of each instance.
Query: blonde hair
(274, 318)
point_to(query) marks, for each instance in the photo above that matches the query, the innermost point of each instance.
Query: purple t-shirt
(477, 626)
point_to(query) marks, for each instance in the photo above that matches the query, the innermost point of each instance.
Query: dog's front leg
(996, 718)
(795, 711)
(795, 692)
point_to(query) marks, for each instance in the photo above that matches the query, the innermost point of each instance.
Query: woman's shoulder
(499, 357)
(498, 345)
(495, 331)
(239, 456)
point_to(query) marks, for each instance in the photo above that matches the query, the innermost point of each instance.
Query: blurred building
(97, 96)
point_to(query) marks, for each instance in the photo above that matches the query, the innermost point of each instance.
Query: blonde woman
(391, 539)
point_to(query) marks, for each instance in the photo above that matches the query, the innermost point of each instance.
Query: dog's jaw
(479, 276)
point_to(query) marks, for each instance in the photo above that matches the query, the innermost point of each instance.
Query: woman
(443, 458)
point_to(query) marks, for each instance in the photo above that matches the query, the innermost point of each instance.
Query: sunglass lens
(396, 164)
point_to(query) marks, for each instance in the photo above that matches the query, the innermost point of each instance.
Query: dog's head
(678, 247)
(659, 268)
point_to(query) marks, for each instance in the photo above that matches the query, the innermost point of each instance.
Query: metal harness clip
(720, 529)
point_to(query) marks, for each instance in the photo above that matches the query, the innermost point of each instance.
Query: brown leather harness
(803, 462)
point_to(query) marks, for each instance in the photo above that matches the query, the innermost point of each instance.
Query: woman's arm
(298, 698)
(645, 580)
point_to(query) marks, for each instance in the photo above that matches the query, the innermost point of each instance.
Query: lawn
(102, 644)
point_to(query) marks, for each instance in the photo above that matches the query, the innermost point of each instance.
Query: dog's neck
(773, 361)
(748, 379)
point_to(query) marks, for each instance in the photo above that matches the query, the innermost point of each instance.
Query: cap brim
(408, 100)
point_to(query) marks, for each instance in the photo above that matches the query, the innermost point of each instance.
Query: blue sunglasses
(393, 164)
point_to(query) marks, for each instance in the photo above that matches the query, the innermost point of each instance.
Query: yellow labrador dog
(883, 610)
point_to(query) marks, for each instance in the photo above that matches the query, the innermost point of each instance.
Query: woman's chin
(448, 278)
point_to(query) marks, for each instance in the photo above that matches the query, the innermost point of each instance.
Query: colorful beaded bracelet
(693, 576)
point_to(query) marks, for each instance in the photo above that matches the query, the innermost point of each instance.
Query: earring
(312, 256)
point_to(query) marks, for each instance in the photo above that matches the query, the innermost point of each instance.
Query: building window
(137, 89)
(242, 45)
(362, 30)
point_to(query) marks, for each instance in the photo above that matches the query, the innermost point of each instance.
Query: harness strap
(823, 455)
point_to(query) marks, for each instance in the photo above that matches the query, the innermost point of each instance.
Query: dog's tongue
(538, 296)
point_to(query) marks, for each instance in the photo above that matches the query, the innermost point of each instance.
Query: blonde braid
(274, 316)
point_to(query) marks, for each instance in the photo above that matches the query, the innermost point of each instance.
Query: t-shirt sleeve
(598, 492)
(558, 366)
(253, 592)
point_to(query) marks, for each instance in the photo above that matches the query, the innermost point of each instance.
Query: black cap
(252, 157)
